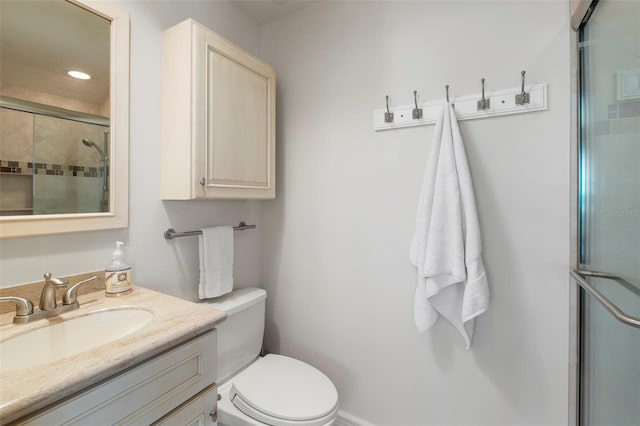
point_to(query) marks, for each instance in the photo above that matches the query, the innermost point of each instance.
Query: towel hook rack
(483, 104)
(496, 103)
(417, 112)
(171, 233)
(388, 116)
(523, 97)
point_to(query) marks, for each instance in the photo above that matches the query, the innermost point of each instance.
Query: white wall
(336, 240)
(168, 266)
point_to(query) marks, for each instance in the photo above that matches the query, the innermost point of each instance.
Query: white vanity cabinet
(175, 387)
(218, 118)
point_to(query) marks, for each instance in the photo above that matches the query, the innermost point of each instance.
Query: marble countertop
(174, 321)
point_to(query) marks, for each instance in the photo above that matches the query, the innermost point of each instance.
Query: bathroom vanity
(161, 372)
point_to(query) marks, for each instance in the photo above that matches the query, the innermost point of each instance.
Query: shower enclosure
(609, 215)
(53, 161)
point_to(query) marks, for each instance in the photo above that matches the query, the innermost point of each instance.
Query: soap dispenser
(118, 274)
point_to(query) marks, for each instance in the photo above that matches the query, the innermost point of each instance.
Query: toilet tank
(240, 335)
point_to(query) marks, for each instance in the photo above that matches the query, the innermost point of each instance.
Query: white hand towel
(216, 261)
(446, 246)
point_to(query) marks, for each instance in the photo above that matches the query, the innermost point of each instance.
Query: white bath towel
(216, 261)
(446, 245)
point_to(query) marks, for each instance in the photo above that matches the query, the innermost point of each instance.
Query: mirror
(63, 140)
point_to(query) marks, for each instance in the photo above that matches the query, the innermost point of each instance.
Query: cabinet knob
(202, 181)
(214, 415)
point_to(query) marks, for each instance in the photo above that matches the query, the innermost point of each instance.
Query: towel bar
(171, 233)
(578, 275)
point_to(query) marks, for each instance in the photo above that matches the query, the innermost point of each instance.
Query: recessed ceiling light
(79, 74)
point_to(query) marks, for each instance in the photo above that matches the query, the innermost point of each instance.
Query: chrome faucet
(48, 304)
(48, 296)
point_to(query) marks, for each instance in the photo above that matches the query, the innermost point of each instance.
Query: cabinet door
(198, 411)
(237, 94)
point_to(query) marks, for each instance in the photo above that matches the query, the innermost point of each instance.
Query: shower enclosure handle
(578, 275)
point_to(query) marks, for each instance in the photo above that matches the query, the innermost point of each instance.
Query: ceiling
(265, 11)
(41, 40)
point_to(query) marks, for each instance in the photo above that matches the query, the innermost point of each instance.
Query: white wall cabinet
(145, 393)
(218, 118)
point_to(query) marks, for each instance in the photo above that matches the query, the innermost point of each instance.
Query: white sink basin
(70, 337)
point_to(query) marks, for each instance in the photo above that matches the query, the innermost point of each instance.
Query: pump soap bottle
(118, 274)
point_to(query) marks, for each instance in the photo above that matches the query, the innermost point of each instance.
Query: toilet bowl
(274, 389)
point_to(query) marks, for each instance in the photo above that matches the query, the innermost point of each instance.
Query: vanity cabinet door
(198, 411)
(218, 134)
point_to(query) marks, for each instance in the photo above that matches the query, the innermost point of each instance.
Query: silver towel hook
(483, 104)
(388, 116)
(417, 112)
(523, 97)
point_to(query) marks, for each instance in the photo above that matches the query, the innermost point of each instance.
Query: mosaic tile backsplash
(29, 168)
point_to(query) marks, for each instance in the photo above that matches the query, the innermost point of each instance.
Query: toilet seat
(282, 391)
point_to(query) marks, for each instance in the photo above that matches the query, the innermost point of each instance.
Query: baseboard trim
(347, 419)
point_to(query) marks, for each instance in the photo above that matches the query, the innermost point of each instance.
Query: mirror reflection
(54, 128)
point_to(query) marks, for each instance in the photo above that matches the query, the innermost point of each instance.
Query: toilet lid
(284, 388)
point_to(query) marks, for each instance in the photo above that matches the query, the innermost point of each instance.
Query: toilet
(274, 389)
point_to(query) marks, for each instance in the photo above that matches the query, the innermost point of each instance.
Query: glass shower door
(70, 160)
(610, 214)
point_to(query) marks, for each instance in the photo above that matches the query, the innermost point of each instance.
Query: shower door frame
(580, 13)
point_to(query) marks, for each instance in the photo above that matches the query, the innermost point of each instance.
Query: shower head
(89, 142)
